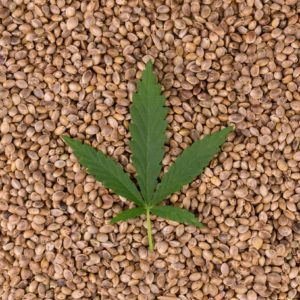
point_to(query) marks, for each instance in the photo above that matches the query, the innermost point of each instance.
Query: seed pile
(70, 67)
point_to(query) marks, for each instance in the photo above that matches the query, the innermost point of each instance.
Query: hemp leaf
(148, 126)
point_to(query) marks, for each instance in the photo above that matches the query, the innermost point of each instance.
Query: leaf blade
(128, 214)
(189, 164)
(105, 170)
(148, 126)
(177, 214)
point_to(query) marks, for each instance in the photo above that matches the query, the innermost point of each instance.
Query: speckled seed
(49, 125)
(236, 118)
(162, 247)
(4, 128)
(72, 23)
(77, 294)
(22, 84)
(295, 105)
(60, 164)
(296, 156)
(39, 219)
(20, 165)
(241, 192)
(95, 30)
(256, 93)
(284, 230)
(107, 229)
(92, 130)
(39, 188)
(251, 295)
(282, 165)
(257, 242)
(250, 37)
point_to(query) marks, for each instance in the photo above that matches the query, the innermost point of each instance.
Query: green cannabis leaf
(177, 214)
(129, 214)
(147, 128)
(105, 170)
(190, 164)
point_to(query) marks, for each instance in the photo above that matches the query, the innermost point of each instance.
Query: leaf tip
(149, 64)
(199, 225)
(226, 131)
(66, 139)
(230, 128)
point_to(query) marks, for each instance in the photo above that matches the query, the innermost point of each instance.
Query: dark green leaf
(105, 170)
(177, 214)
(189, 164)
(147, 129)
(128, 214)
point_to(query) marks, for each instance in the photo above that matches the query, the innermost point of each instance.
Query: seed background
(70, 67)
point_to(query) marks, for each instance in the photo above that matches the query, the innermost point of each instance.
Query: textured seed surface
(70, 68)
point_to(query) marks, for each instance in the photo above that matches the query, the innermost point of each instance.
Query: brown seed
(49, 125)
(296, 156)
(70, 11)
(274, 277)
(225, 269)
(39, 219)
(241, 192)
(236, 118)
(77, 294)
(256, 93)
(282, 165)
(60, 164)
(295, 105)
(215, 181)
(3, 205)
(4, 128)
(95, 30)
(59, 195)
(75, 87)
(20, 165)
(106, 229)
(86, 77)
(251, 295)
(284, 230)
(250, 37)
(72, 23)
(257, 242)
(240, 289)
(162, 247)
(92, 130)
(22, 84)
(39, 188)
(195, 276)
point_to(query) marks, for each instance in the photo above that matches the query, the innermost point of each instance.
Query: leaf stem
(149, 229)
